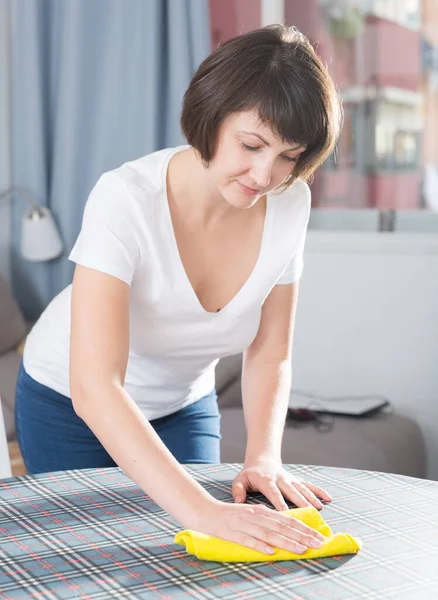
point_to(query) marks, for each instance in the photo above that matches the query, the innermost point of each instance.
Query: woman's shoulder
(144, 175)
(130, 192)
(296, 199)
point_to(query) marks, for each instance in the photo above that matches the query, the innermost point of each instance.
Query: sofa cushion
(9, 366)
(12, 324)
(388, 442)
(228, 373)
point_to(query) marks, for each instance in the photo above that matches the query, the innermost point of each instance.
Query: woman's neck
(192, 191)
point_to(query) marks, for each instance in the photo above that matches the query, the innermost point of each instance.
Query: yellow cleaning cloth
(207, 547)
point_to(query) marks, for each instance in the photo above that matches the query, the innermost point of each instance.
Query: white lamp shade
(40, 239)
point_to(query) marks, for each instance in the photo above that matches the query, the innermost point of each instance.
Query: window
(346, 152)
(397, 137)
(404, 12)
(382, 55)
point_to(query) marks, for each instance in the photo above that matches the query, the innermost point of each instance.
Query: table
(93, 534)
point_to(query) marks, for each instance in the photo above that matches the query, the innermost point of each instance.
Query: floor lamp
(40, 239)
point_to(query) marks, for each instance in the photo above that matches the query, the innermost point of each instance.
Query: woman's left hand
(267, 475)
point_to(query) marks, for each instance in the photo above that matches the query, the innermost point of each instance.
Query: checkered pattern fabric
(94, 534)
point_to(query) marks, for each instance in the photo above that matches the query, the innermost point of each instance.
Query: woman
(185, 256)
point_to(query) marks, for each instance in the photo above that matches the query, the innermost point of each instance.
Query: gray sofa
(390, 443)
(13, 329)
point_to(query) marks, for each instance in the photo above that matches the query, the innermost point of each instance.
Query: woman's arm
(266, 374)
(266, 382)
(98, 359)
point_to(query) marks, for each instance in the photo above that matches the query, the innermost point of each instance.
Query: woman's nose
(261, 176)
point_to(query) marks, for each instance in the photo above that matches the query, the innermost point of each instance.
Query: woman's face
(250, 160)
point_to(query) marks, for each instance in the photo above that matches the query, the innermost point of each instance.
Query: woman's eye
(250, 148)
(256, 148)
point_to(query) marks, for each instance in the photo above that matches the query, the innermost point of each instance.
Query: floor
(17, 465)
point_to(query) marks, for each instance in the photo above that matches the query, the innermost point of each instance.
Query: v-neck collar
(181, 270)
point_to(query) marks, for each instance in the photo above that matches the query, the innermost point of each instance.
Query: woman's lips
(247, 190)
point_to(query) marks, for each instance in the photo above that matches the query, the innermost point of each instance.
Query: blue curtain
(94, 83)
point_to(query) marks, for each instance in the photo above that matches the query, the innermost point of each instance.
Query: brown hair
(276, 71)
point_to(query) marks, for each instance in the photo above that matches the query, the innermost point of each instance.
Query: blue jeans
(53, 438)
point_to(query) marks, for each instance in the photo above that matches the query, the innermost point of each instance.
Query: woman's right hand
(257, 527)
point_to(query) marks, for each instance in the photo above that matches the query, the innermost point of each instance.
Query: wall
(397, 189)
(430, 115)
(398, 55)
(305, 15)
(429, 18)
(4, 140)
(367, 323)
(229, 18)
(430, 86)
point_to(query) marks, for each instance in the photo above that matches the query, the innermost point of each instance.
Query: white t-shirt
(175, 344)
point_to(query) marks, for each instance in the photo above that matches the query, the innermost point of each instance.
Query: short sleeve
(294, 269)
(108, 240)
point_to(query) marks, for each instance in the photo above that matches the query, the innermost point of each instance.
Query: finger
(238, 491)
(303, 490)
(293, 492)
(320, 492)
(276, 540)
(272, 492)
(284, 524)
(286, 538)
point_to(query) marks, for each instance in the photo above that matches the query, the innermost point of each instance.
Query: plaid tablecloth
(94, 534)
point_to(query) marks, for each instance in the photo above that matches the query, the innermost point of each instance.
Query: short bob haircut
(276, 71)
